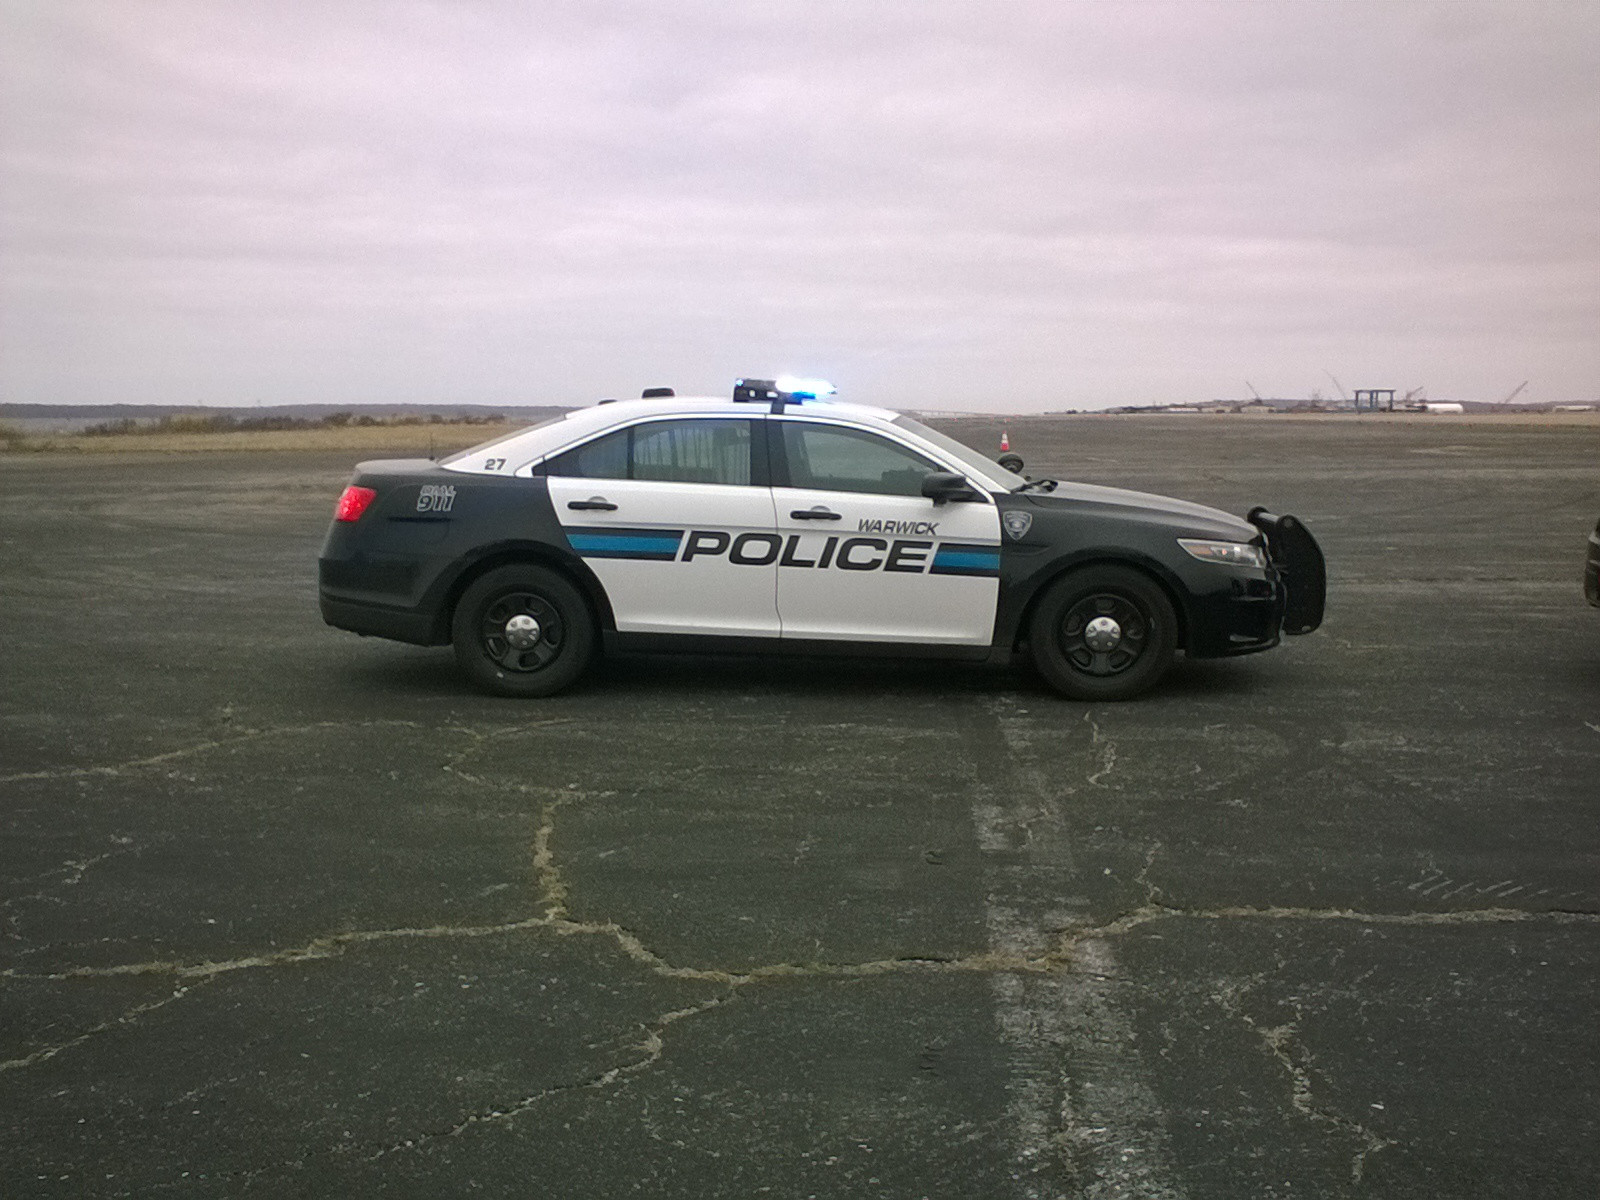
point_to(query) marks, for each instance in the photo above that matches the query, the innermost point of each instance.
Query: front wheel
(522, 630)
(1103, 633)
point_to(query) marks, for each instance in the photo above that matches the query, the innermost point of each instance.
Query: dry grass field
(422, 439)
(441, 439)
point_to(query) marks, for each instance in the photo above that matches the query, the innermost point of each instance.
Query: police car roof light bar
(805, 389)
(756, 391)
(778, 392)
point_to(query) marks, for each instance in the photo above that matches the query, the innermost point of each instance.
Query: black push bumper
(1298, 560)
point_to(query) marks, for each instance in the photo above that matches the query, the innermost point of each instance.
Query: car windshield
(968, 457)
(472, 451)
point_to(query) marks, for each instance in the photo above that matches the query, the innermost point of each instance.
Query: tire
(555, 642)
(1142, 637)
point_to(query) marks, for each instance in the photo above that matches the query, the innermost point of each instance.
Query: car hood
(1202, 519)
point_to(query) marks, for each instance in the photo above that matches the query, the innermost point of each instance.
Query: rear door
(675, 517)
(866, 557)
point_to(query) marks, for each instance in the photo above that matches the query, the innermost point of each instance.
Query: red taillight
(353, 503)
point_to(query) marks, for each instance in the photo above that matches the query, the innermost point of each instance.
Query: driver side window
(831, 459)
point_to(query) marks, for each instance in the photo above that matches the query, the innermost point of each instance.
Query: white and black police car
(782, 521)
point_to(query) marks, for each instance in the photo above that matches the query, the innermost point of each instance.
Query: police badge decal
(1017, 524)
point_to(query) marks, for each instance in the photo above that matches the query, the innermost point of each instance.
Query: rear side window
(604, 458)
(831, 459)
(708, 451)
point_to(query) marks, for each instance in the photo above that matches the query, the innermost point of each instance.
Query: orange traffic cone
(1005, 442)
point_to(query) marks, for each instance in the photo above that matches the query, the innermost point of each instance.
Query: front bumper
(1243, 617)
(1255, 608)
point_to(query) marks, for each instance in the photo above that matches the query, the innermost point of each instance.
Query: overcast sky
(987, 205)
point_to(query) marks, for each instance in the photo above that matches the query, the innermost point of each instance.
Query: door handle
(593, 502)
(814, 514)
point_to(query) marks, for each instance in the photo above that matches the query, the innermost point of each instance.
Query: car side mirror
(944, 486)
(1011, 462)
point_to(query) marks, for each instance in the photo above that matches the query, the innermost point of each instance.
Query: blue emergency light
(786, 389)
(805, 389)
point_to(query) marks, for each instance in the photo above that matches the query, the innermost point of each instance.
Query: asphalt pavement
(288, 912)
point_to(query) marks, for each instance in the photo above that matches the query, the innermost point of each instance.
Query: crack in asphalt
(552, 893)
(45, 1053)
(652, 1048)
(243, 737)
(1107, 754)
(1282, 1044)
(328, 946)
(68, 875)
(1061, 957)
(1152, 890)
(552, 885)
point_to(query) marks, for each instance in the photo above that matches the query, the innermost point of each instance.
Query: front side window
(833, 459)
(707, 451)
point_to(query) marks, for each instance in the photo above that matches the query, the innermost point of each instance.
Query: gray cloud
(1022, 205)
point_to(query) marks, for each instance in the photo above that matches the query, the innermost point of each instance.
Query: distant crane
(1343, 395)
(1517, 391)
(1253, 391)
(1406, 399)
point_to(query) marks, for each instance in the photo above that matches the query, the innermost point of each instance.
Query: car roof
(520, 452)
(551, 437)
(619, 410)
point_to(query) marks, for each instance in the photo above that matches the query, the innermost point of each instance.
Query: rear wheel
(1103, 633)
(523, 630)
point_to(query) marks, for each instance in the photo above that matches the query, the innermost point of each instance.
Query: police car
(782, 520)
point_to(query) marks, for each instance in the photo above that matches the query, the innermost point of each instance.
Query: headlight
(1229, 554)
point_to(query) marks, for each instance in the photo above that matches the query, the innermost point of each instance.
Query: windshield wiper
(1041, 485)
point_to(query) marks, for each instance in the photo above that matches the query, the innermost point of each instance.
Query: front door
(867, 557)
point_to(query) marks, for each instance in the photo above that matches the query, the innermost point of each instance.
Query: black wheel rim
(497, 645)
(1073, 631)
